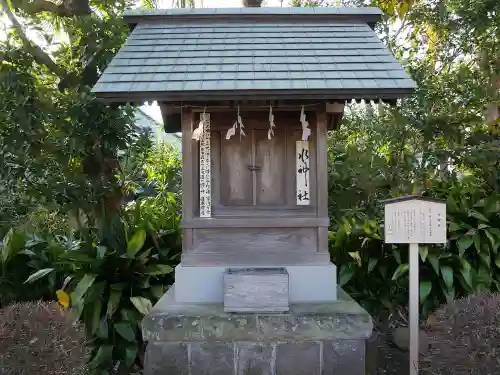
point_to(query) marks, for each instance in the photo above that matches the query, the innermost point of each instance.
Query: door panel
(270, 158)
(236, 178)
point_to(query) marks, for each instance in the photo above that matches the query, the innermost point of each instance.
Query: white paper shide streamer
(200, 130)
(270, 132)
(237, 124)
(306, 132)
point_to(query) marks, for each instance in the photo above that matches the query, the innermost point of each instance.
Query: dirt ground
(391, 360)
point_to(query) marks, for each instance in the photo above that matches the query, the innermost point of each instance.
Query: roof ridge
(370, 15)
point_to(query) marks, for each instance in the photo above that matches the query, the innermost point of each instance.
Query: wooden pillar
(322, 177)
(189, 176)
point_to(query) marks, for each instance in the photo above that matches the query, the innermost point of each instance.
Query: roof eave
(210, 96)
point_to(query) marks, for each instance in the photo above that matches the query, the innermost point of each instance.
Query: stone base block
(205, 284)
(326, 357)
(201, 339)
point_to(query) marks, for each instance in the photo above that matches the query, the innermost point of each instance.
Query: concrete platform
(311, 339)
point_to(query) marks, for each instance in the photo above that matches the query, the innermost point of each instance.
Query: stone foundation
(338, 357)
(312, 339)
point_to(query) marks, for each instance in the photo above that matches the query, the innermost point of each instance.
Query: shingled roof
(243, 53)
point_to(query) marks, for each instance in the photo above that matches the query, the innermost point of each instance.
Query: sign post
(414, 220)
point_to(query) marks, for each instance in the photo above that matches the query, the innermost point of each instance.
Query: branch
(40, 56)
(68, 8)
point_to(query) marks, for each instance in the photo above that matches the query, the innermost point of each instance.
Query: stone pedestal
(311, 339)
(306, 283)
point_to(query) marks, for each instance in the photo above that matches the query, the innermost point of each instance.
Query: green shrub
(114, 276)
(376, 274)
(40, 338)
(21, 255)
(465, 337)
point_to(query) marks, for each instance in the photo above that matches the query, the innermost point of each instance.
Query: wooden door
(236, 180)
(270, 168)
(255, 175)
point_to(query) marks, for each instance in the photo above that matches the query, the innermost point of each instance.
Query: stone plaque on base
(256, 290)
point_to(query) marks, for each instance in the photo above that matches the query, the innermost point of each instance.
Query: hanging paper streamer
(205, 171)
(270, 133)
(238, 123)
(200, 130)
(306, 132)
(232, 130)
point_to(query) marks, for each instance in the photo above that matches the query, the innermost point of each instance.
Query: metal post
(414, 308)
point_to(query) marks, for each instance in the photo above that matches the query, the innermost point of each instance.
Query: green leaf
(145, 254)
(396, 255)
(13, 242)
(115, 295)
(143, 305)
(130, 315)
(38, 275)
(96, 316)
(66, 282)
(95, 292)
(483, 226)
(425, 290)
(401, 270)
(477, 242)
(136, 243)
(454, 227)
(143, 282)
(102, 332)
(157, 291)
(466, 272)
(491, 238)
(486, 259)
(158, 269)
(101, 251)
(77, 309)
(130, 355)
(345, 274)
(82, 287)
(126, 331)
(449, 294)
(451, 204)
(464, 243)
(356, 256)
(478, 215)
(103, 356)
(372, 263)
(403, 8)
(423, 250)
(497, 260)
(447, 273)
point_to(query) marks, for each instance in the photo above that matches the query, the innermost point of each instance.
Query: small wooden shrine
(254, 92)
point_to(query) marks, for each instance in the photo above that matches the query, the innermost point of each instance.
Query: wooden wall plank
(236, 177)
(257, 222)
(216, 165)
(270, 157)
(237, 240)
(252, 259)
